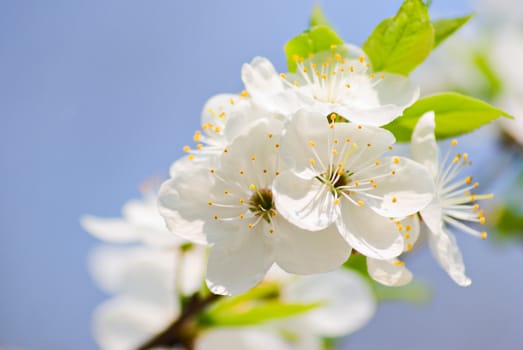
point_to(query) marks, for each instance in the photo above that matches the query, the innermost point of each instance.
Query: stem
(180, 332)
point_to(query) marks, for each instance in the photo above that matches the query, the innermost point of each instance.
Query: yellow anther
(409, 246)
(361, 59)
(360, 203)
(186, 148)
(331, 125)
(215, 217)
(399, 263)
(390, 148)
(394, 199)
(407, 236)
(277, 145)
(199, 146)
(372, 76)
(393, 172)
(465, 156)
(253, 158)
(191, 156)
(347, 86)
(250, 225)
(244, 93)
(313, 65)
(369, 145)
(336, 201)
(473, 198)
(399, 227)
(347, 140)
(225, 150)
(264, 171)
(468, 180)
(283, 75)
(312, 143)
(217, 129)
(480, 213)
(221, 115)
(271, 231)
(333, 46)
(456, 159)
(335, 141)
(324, 76)
(209, 202)
(295, 83)
(356, 183)
(242, 216)
(482, 220)
(197, 135)
(360, 127)
(377, 162)
(396, 160)
(454, 142)
(231, 101)
(476, 185)
(242, 200)
(276, 173)
(484, 235)
(212, 171)
(475, 207)
(269, 136)
(335, 151)
(337, 57)
(226, 192)
(312, 161)
(332, 117)
(252, 187)
(374, 185)
(382, 76)
(295, 58)
(305, 70)
(407, 228)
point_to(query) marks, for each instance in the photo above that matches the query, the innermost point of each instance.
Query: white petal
(388, 272)
(423, 147)
(307, 204)
(349, 303)
(114, 230)
(267, 89)
(306, 137)
(216, 105)
(123, 323)
(432, 216)
(183, 201)
(446, 252)
(240, 338)
(406, 192)
(106, 265)
(372, 235)
(394, 94)
(239, 262)
(411, 231)
(192, 271)
(305, 252)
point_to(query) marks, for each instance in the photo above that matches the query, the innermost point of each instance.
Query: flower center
(261, 204)
(336, 179)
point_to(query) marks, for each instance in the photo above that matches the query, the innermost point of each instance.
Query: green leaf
(455, 114)
(483, 64)
(415, 292)
(258, 313)
(400, 43)
(444, 28)
(318, 17)
(316, 39)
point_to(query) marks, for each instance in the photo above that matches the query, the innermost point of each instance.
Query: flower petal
(432, 216)
(372, 235)
(181, 202)
(423, 146)
(305, 252)
(390, 273)
(349, 303)
(403, 187)
(394, 94)
(114, 230)
(445, 250)
(239, 261)
(240, 338)
(307, 204)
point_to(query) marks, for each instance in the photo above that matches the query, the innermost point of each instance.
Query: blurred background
(98, 96)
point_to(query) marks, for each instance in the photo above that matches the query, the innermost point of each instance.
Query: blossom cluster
(297, 171)
(151, 274)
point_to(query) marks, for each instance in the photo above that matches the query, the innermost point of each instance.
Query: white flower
(328, 83)
(146, 301)
(453, 202)
(234, 208)
(336, 176)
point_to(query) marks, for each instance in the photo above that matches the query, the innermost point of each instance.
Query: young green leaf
(455, 114)
(444, 28)
(318, 17)
(400, 43)
(244, 315)
(316, 39)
